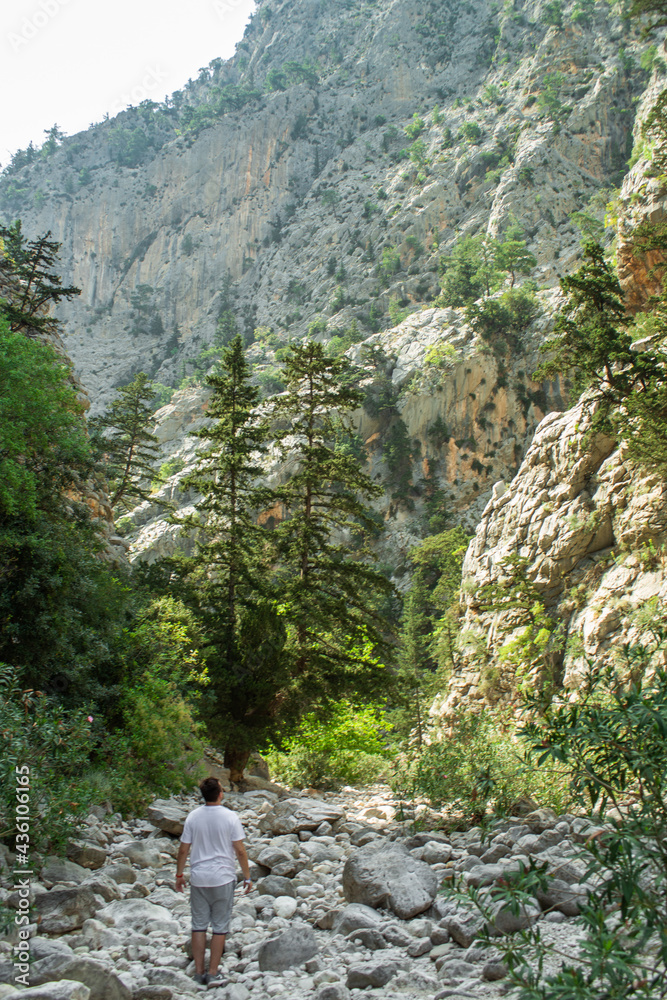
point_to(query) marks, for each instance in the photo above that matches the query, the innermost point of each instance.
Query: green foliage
(345, 745)
(471, 132)
(513, 256)
(36, 732)
(224, 582)
(270, 381)
(552, 14)
(582, 13)
(34, 286)
(330, 197)
(43, 447)
(502, 321)
(221, 101)
(419, 153)
(57, 603)
(416, 127)
(428, 638)
(549, 97)
(477, 766)
(389, 265)
(470, 270)
(397, 458)
(328, 593)
(533, 638)
(612, 744)
(654, 10)
(127, 448)
(292, 72)
(591, 342)
(342, 341)
(592, 230)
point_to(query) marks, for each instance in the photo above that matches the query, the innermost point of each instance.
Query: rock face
(575, 502)
(331, 197)
(388, 875)
(317, 168)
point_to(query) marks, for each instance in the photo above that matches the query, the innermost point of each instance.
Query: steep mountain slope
(588, 523)
(318, 180)
(299, 193)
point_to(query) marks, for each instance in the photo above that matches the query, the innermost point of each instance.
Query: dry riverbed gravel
(347, 902)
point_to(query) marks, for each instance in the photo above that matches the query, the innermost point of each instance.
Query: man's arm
(242, 856)
(183, 851)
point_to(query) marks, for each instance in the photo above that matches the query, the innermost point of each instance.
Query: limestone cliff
(589, 525)
(591, 529)
(298, 192)
(326, 170)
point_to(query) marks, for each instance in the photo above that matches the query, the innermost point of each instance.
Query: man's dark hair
(210, 789)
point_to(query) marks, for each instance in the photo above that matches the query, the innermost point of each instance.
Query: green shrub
(345, 746)
(612, 743)
(502, 321)
(416, 127)
(389, 265)
(476, 766)
(471, 132)
(35, 731)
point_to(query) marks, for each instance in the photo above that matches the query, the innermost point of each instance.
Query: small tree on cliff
(128, 448)
(34, 285)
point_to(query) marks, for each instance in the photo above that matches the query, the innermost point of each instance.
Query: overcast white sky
(70, 61)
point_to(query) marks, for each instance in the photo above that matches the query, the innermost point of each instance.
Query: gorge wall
(293, 185)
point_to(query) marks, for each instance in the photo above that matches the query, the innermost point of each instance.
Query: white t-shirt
(211, 830)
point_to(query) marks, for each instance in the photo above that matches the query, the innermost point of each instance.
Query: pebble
(141, 934)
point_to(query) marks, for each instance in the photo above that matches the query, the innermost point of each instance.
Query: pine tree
(227, 579)
(129, 450)
(591, 342)
(411, 714)
(33, 285)
(329, 593)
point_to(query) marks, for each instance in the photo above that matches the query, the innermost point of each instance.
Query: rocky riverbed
(347, 899)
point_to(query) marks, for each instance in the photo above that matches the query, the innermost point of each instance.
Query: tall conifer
(330, 591)
(226, 581)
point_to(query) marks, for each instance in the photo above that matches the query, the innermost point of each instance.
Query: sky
(68, 62)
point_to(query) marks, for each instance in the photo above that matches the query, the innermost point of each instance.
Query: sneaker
(214, 981)
(201, 978)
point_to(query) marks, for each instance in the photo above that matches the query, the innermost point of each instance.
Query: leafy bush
(56, 745)
(416, 127)
(347, 746)
(477, 765)
(612, 742)
(502, 321)
(389, 265)
(157, 745)
(471, 132)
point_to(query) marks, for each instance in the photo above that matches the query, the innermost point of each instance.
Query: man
(215, 835)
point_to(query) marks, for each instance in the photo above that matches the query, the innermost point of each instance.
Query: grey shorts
(212, 904)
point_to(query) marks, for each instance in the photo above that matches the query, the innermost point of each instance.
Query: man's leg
(198, 949)
(217, 948)
(201, 916)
